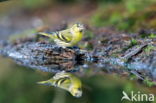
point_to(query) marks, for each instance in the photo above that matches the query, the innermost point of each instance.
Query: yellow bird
(66, 81)
(68, 37)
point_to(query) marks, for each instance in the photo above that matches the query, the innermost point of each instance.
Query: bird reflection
(66, 81)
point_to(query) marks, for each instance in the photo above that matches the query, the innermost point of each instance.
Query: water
(18, 84)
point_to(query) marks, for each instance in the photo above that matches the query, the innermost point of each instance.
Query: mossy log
(44, 56)
(129, 52)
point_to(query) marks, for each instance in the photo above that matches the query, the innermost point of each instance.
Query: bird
(66, 81)
(68, 37)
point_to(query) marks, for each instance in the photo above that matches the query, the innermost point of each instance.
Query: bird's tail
(48, 83)
(46, 34)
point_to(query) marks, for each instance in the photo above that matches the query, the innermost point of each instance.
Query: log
(47, 57)
(116, 52)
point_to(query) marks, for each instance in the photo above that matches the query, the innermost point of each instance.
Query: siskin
(68, 37)
(65, 81)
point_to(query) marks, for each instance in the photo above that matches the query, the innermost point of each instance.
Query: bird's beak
(78, 95)
(82, 29)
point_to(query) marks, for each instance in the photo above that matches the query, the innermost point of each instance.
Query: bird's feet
(74, 47)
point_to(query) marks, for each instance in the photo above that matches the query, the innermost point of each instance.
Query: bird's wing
(62, 74)
(66, 35)
(63, 44)
(65, 83)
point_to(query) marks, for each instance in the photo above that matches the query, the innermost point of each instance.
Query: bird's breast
(78, 36)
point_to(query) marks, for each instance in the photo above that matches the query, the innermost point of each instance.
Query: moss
(133, 42)
(149, 82)
(90, 46)
(116, 18)
(133, 77)
(146, 81)
(152, 36)
(128, 15)
(149, 48)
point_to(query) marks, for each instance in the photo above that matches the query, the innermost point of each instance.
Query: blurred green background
(18, 84)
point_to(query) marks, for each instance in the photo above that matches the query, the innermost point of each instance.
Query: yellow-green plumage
(65, 81)
(68, 37)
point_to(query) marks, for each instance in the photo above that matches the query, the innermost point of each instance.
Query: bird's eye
(78, 25)
(81, 30)
(79, 89)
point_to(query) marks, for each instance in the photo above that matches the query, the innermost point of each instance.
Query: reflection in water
(50, 65)
(47, 58)
(51, 58)
(65, 81)
(112, 65)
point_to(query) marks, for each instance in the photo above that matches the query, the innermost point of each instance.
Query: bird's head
(78, 27)
(76, 92)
